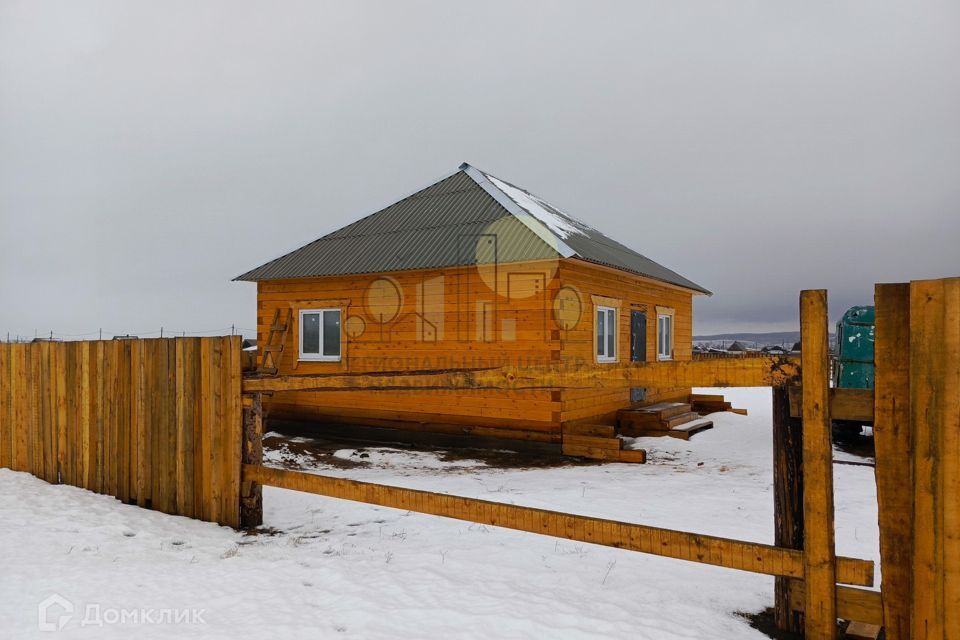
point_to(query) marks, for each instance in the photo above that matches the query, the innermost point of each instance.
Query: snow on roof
(560, 223)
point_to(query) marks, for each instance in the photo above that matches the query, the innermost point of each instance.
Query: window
(664, 337)
(606, 334)
(320, 334)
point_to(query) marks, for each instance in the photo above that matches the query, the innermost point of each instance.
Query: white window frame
(601, 343)
(319, 357)
(661, 355)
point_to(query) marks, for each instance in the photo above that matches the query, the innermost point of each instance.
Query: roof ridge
(537, 226)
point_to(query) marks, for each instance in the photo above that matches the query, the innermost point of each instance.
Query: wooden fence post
(935, 419)
(251, 493)
(819, 554)
(787, 500)
(893, 442)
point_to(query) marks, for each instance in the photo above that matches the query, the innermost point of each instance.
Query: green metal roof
(468, 217)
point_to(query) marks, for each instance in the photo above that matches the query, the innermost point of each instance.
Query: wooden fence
(161, 423)
(151, 422)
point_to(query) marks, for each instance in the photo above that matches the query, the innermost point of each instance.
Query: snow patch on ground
(333, 568)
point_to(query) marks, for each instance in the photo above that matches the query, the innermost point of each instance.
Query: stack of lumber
(674, 419)
(598, 442)
(704, 403)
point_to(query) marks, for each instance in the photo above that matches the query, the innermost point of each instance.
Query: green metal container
(854, 368)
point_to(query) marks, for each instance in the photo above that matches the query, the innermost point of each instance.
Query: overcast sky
(150, 152)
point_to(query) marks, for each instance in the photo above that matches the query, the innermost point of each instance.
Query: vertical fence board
(206, 420)
(20, 416)
(787, 500)
(935, 418)
(48, 407)
(61, 403)
(926, 334)
(85, 425)
(194, 367)
(6, 427)
(71, 413)
(216, 439)
(169, 443)
(185, 391)
(233, 428)
(35, 403)
(139, 409)
(820, 611)
(950, 492)
(893, 443)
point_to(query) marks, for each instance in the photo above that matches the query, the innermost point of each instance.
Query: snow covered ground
(339, 569)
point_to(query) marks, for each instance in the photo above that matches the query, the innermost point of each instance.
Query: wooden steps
(704, 403)
(598, 442)
(674, 419)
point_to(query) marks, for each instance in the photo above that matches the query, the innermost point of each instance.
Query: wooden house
(470, 271)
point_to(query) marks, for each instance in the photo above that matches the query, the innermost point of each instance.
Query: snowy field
(338, 569)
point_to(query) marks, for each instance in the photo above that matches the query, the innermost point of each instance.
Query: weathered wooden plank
(107, 383)
(893, 443)
(207, 426)
(136, 404)
(862, 605)
(251, 496)
(164, 456)
(787, 500)
(845, 404)
(926, 372)
(125, 408)
(752, 372)
(48, 368)
(61, 405)
(146, 433)
(950, 426)
(35, 402)
(6, 420)
(234, 431)
(820, 614)
(71, 439)
(735, 554)
(186, 388)
(935, 417)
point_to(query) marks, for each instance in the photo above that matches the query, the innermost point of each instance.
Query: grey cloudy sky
(149, 152)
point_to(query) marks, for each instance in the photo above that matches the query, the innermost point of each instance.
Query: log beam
(748, 372)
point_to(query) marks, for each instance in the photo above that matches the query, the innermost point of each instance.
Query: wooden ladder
(270, 358)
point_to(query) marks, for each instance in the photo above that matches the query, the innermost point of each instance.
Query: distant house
(775, 350)
(470, 271)
(738, 346)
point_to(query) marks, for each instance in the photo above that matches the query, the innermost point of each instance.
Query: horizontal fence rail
(733, 554)
(745, 372)
(155, 422)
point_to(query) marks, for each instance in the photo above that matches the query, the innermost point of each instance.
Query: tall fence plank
(935, 419)
(787, 501)
(893, 443)
(820, 612)
(126, 418)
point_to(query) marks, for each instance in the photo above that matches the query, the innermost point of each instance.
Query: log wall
(467, 317)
